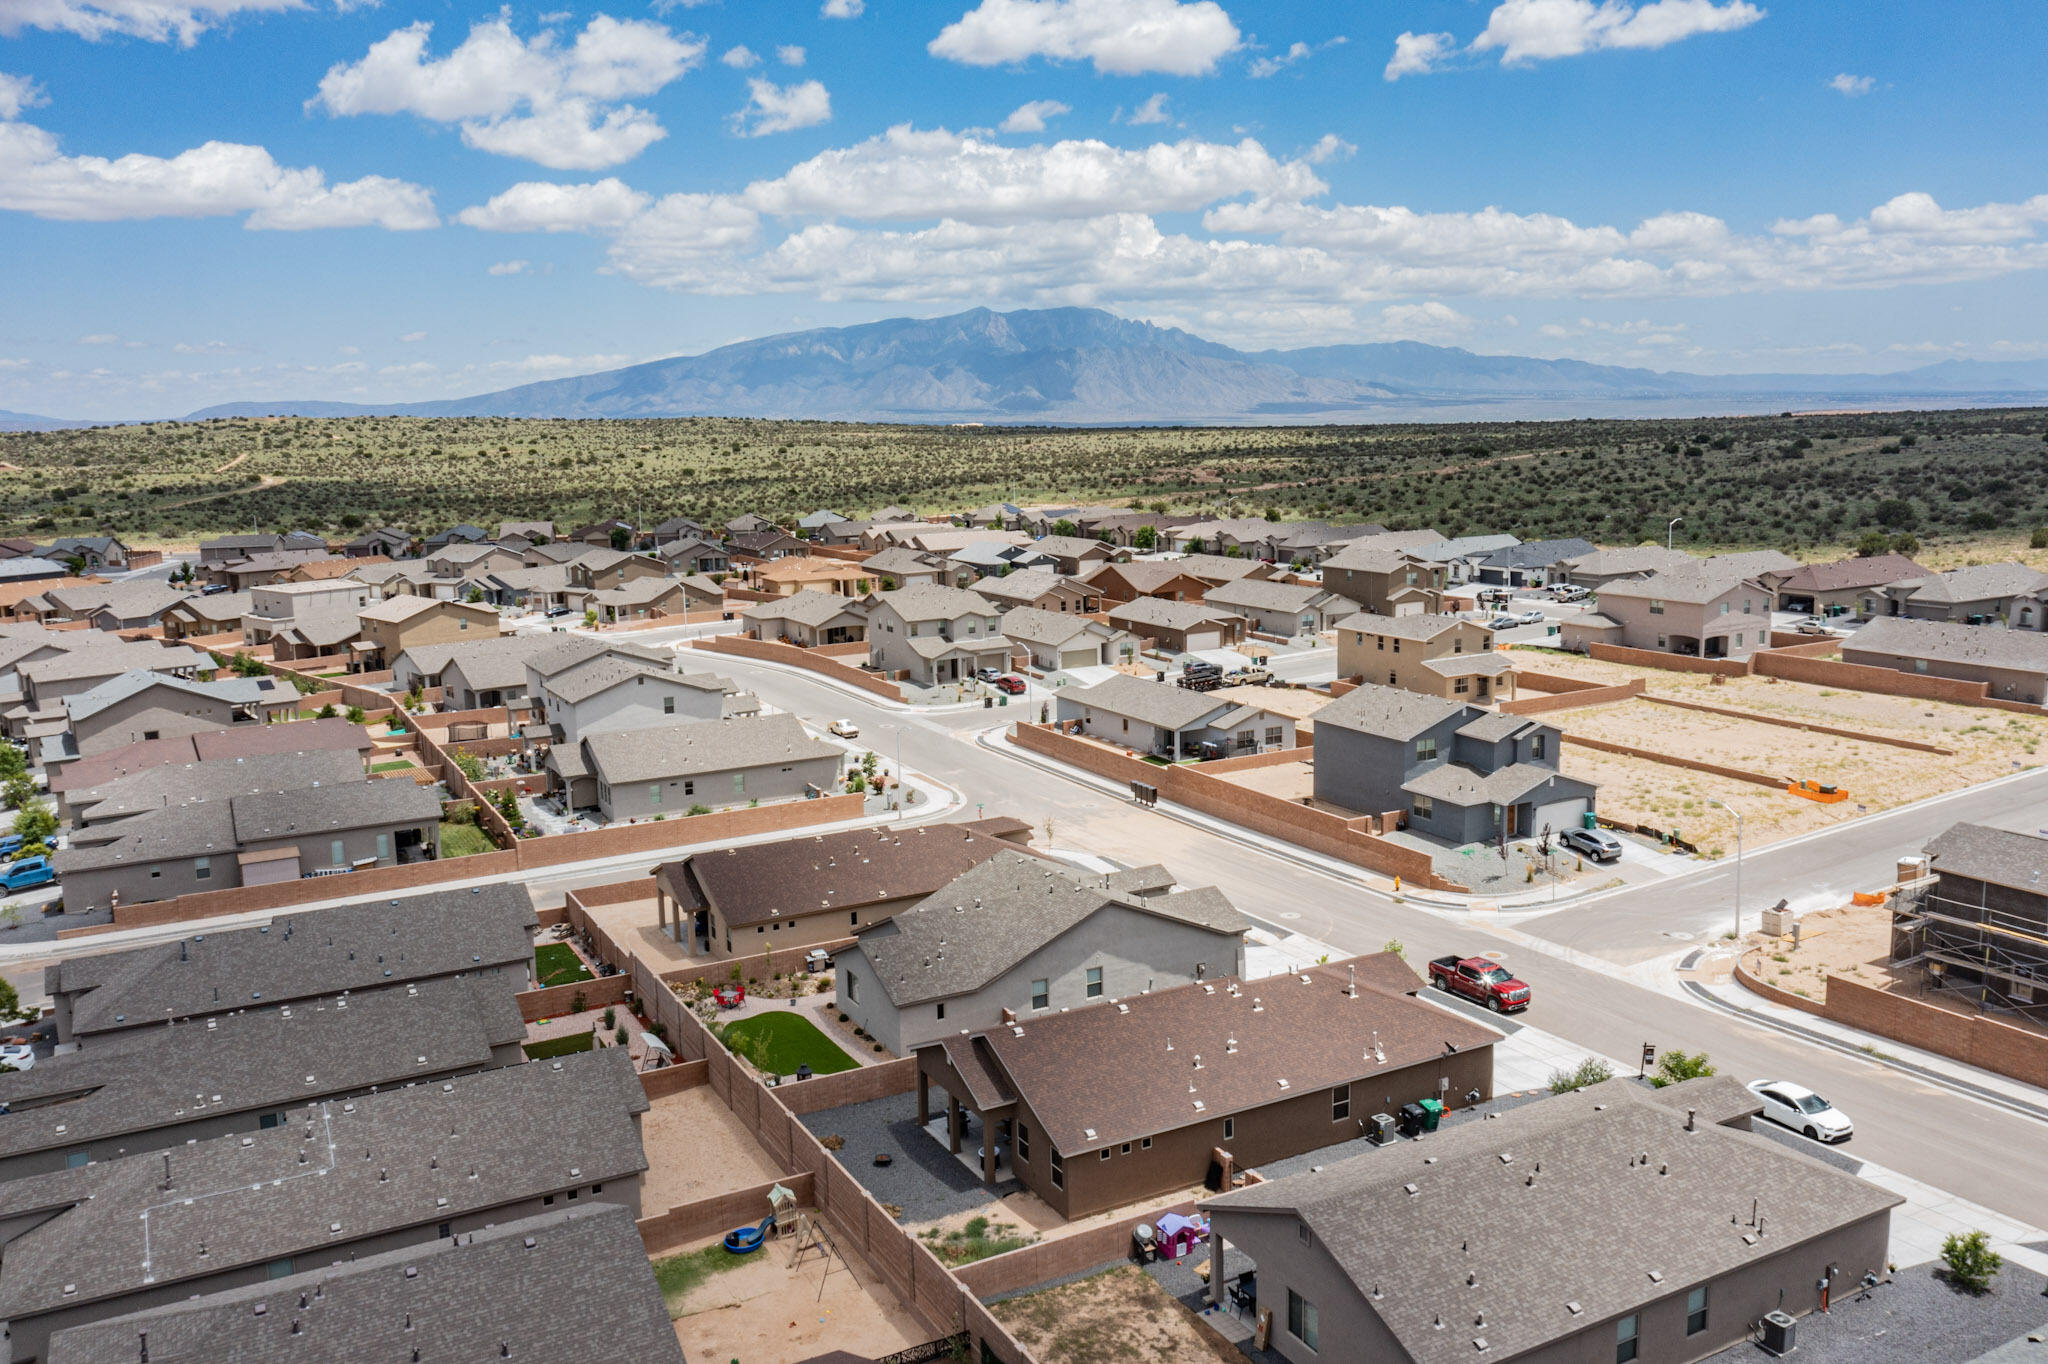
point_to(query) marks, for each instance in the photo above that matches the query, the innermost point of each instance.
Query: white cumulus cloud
(510, 267)
(1852, 86)
(843, 9)
(1152, 110)
(180, 21)
(1539, 30)
(741, 57)
(772, 108)
(538, 206)
(16, 94)
(1259, 68)
(214, 180)
(1417, 54)
(1030, 118)
(789, 54)
(534, 99)
(1121, 37)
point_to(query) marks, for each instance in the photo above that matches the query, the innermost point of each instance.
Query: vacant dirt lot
(1120, 1315)
(765, 1312)
(696, 1148)
(1854, 940)
(1671, 799)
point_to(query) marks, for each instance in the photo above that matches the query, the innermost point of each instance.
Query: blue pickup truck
(10, 844)
(27, 874)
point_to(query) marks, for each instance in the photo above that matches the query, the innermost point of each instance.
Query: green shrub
(1590, 1071)
(1674, 1066)
(1971, 1262)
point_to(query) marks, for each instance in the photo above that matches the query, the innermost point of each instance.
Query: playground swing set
(803, 1228)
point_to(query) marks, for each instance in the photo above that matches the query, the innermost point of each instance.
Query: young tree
(355, 715)
(1873, 543)
(1970, 1260)
(1676, 1065)
(36, 823)
(1065, 527)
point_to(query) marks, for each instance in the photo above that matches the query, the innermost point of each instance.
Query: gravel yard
(1121, 1314)
(1916, 1319)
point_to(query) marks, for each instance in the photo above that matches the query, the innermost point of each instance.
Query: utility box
(1781, 1333)
(1778, 920)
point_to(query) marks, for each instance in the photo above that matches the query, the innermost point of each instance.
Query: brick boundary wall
(1304, 748)
(528, 855)
(1757, 985)
(769, 651)
(1676, 663)
(659, 1084)
(821, 1092)
(1803, 646)
(1884, 681)
(719, 969)
(1035, 1264)
(1673, 760)
(1302, 825)
(1573, 700)
(669, 1231)
(852, 649)
(1837, 732)
(1551, 682)
(555, 1000)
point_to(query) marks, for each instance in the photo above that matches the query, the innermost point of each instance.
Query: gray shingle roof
(1990, 645)
(1413, 626)
(1155, 703)
(595, 675)
(806, 608)
(1629, 560)
(1980, 582)
(108, 656)
(240, 741)
(374, 1165)
(1998, 856)
(1694, 584)
(1388, 712)
(162, 786)
(1030, 625)
(1848, 574)
(486, 664)
(312, 810)
(1458, 785)
(572, 1283)
(672, 751)
(1539, 553)
(985, 921)
(147, 1078)
(930, 601)
(1495, 725)
(1263, 594)
(357, 946)
(1606, 1220)
(86, 704)
(1173, 615)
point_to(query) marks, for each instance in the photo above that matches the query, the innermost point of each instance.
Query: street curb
(1835, 1044)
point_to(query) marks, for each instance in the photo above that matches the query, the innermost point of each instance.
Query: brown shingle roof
(1105, 1068)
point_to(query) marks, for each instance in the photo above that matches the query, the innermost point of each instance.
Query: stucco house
(1052, 641)
(1178, 627)
(666, 771)
(1283, 609)
(1389, 580)
(1160, 718)
(1697, 611)
(934, 635)
(2013, 663)
(1438, 655)
(1043, 589)
(1852, 586)
(1456, 772)
(807, 618)
(1981, 595)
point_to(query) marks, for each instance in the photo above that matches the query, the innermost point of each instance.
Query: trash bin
(1591, 820)
(1409, 1120)
(1432, 1114)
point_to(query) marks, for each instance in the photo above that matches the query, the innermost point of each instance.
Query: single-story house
(1283, 609)
(2013, 663)
(1173, 722)
(1178, 627)
(1052, 641)
(807, 618)
(669, 771)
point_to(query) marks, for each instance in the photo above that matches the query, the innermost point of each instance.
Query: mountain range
(1086, 366)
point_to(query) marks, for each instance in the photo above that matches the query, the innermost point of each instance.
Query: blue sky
(207, 200)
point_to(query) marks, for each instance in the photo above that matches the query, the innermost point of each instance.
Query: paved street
(1988, 1155)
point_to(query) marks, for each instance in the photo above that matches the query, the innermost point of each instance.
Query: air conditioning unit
(1379, 1128)
(1781, 1333)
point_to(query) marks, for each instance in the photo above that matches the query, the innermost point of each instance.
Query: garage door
(1559, 815)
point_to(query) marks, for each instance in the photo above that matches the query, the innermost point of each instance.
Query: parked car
(18, 1052)
(987, 674)
(1503, 622)
(1530, 618)
(844, 729)
(1813, 625)
(1481, 981)
(1597, 844)
(27, 874)
(1802, 1110)
(1570, 592)
(10, 845)
(1250, 677)
(1013, 686)
(554, 611)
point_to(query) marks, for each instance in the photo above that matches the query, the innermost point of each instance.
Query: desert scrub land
(1962, 485)
(1117, 1315)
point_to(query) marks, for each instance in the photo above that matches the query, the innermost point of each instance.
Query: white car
(844, 729)
(1802, 1110)
(20, 1055)
(1531, 618)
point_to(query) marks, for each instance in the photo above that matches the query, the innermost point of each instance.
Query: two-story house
(1024, 935)
(601, 568)
(387, 628)
(1455, 771)
(1438, 655)
(1282, 609)
(1698, 611)
(276, 608)
(1384, 580)
(933, 635)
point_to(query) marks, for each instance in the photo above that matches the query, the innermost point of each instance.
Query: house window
(1040, 996)
(1538, 745)
(1247, 740)
(668, 705)
(849, 982)
(74, 1159)
(1125, 1149)
(1724, 608)
(1392, 680)
(1397, 646)
(939, 1011)
(1625, 1339)
(1656, 607)
(1696, 1311)
(1340, 1103)
(654, 793)
(279, 1269)
(340, 853)
(1023, 1142)
(1229, 1129)
(1460, 686)
(151, 733)
(1379, 641)
(1103, 1154)
(1661, 643)
(1738, 639)
(202, 868)
(1422, 807)
(739, 781)
(1919, 665)
(1301, 1319)
(1095, 982)
(1145, 1145)
(1425, 750)
(1276, 735)
(689, 788)
(1058, 1168)
(1745, 606)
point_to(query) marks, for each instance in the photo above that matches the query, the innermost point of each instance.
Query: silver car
(1597, 844)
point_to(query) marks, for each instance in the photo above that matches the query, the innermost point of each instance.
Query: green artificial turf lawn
(464, 840)
(392, 766)
(781, 1042)
(557, 1046)
(557, 964)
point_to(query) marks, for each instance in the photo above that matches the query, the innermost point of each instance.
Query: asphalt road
(1986, 1154)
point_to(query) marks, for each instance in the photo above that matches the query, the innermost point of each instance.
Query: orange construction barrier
(1813, 790)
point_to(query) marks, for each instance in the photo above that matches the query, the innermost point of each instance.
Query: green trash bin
(1432, 1114)
(1592, 821)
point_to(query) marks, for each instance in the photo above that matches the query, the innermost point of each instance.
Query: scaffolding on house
(1996, 960)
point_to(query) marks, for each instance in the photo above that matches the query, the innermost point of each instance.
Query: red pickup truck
(1481, 981)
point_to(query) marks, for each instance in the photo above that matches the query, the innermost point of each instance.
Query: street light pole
(1668, 529)
(1738, 864)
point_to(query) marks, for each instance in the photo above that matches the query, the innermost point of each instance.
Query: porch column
(952, 1124)
(988, 1149)
(1218, 1294)
(661, 909)
(924, 1098)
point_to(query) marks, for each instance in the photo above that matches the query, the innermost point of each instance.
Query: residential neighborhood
(899, 917)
